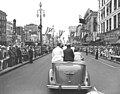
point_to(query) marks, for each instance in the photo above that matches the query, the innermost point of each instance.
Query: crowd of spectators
(13, 55)
(107, 52)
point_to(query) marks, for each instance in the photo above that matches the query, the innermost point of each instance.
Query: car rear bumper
(69, 87)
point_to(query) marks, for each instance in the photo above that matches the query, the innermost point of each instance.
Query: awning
(97, 42)
(116, 43)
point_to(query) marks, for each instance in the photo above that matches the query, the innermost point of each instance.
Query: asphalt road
(32, 78)
(105, 75)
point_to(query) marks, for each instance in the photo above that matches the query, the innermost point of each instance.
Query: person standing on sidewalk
(96, 55)
(19, 54)
(30, 54)
(11, 57)
(86, 51)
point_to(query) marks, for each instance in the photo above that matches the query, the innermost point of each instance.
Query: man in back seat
(68, 53)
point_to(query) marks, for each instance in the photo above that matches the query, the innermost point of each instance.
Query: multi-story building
(31, 29)
(72, 32)
(20, 34)
(90, 27)
(9, 32)
(3, 26)
(109, 20)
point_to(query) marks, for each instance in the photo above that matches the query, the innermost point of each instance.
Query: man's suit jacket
(68, 55)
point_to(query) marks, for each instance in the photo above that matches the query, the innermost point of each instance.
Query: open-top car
(69, 75)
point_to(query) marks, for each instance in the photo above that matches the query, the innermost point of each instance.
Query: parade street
(33, 78)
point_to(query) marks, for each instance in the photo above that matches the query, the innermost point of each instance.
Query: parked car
(69, 75)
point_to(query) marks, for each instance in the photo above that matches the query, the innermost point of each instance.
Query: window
(114, 21)
(110, 6)
(107, 10)
(103, 13)
(103, 27)
(94, 24)
(118, 3)
(107, 26)
(102, 2)
(118, 19)
(110, 24)
(115, 4)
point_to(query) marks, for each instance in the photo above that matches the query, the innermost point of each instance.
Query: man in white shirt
(57, 53)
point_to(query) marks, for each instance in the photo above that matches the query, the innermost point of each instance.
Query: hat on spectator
(3, 46)
(13, 45)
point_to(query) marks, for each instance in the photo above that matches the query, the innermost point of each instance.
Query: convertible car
(69, 75)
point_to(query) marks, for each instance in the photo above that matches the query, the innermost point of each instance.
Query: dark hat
(68, 44)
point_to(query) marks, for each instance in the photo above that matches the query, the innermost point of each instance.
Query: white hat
(3, 46)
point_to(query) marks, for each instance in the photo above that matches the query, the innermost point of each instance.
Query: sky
(60, 13)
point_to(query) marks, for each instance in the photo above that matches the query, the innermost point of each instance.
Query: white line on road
(105, 63)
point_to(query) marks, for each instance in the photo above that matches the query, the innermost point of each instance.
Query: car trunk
(70, 73)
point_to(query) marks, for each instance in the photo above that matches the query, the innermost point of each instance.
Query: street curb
(110, 60)
(19, 65)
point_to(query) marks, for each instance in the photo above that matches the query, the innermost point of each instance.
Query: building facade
(72, 33)
(20, 34)
(3, 22)
(31, 31)
(109, 20)
(89, 29)
(9, 32)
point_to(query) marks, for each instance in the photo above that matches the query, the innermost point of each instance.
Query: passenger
(64, 47)
(57, 53)
(68, 54)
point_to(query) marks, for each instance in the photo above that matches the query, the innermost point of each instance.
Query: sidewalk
(105, 58)
(17, 66)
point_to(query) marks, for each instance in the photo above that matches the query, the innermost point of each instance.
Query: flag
(72, 34)
(47, 30)
(60, 33)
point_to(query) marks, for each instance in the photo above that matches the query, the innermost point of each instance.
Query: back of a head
(59, 44)
(68, 45)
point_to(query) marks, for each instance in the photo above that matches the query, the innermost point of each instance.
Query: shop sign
(111, 36)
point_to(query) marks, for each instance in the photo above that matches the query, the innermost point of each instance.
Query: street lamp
(53, 34)
(40, 26)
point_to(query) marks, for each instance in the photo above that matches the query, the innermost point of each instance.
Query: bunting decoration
(60, 33)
